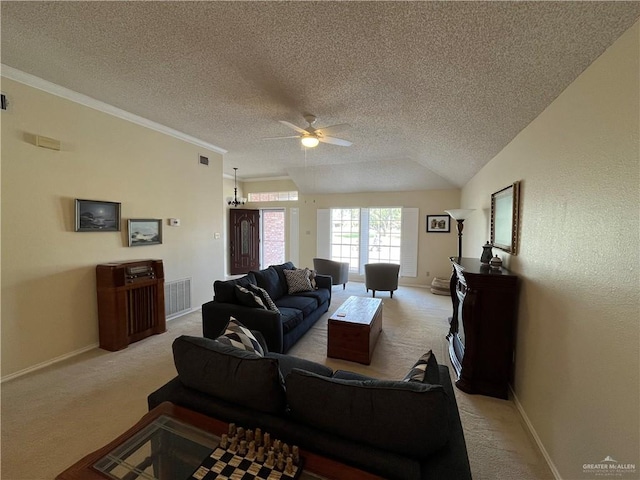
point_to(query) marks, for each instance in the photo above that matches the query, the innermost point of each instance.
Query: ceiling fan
(311, 136)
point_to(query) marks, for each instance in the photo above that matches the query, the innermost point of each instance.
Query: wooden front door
(244, 237)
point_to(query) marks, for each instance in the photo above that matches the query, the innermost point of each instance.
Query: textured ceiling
(432, 90)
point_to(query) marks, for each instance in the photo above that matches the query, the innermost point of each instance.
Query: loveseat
(291, 314)
(395, 429)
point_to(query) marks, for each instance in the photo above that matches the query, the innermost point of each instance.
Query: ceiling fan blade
(335, 141)
(295, 127)
(278, 138)
(333, 129)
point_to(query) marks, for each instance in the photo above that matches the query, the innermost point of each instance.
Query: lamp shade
(310, 142)
(459, 213)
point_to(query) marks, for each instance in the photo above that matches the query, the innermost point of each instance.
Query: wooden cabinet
(130, 302)
(482, 330)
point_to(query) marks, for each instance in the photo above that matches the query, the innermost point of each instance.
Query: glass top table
(171, 442)
(165, 449)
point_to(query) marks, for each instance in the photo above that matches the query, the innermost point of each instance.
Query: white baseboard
(48, 363)
(183, 313)
(534, 435)
(72, 354)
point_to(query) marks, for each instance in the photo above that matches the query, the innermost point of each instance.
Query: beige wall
(48, 271)
(577, 363)
(434, 249)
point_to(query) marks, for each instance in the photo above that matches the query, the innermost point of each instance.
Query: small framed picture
(438, 224)
(97, 216)
(145, 231)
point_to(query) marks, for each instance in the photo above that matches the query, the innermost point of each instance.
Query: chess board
(224, 464)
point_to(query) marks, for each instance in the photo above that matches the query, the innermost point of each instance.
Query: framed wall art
(145, 231)
(505, 217)
(438, 224)
(97, 216)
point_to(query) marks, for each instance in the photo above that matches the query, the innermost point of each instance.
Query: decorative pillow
(298, 280)
(248, 298)
(425, 370)
(265, 297)
(238, 336)
(312, 278)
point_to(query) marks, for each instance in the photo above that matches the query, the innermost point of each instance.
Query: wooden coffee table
(354, 329)
(170, 442)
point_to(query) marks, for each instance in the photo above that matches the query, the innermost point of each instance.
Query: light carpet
(53, 417)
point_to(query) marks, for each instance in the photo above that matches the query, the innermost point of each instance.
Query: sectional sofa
(395, 429)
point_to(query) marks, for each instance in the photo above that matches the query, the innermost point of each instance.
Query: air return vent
(177, 298)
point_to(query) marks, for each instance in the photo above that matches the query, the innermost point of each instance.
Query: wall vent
(3, 101)
(177, 298)
(204, 160)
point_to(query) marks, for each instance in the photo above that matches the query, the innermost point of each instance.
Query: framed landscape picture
(145, 231)
(97, 216)
(438, 224)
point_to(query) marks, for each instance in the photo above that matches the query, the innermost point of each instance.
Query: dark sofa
(394, 429)
(297, 312)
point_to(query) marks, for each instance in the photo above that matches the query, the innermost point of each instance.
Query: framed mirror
(504, 218)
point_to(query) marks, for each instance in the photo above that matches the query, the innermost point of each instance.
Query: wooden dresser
(482, 329)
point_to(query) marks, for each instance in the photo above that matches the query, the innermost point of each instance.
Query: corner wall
(577, 360)
(49, 307)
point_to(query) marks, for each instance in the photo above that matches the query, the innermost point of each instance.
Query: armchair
(381, 276)
(339, 271)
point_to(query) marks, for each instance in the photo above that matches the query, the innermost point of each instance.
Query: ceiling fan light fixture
(309, 141)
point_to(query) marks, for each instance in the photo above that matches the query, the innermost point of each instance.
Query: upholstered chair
(339, 271)
(381, 276)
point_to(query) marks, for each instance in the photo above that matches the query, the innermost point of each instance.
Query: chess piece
(243, 447)
(232, 429)
(277, 446)
(258, 437)
(224, 441)
(280, 464)
(270, 459)
(266, 440)
(234, 444)
(295, 452)
(286, 450)
(260, 454)
(240, 433)
(249, 435)
(252, 449)
(289, 467)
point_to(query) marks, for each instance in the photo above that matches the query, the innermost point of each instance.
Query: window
(345, 236)
(369, 235)
(273, 197)
(385, 235)
(272, 238)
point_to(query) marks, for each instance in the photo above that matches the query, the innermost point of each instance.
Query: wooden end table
(170, 442)
(354, 328)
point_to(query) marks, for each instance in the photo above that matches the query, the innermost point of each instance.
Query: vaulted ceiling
(432, 90)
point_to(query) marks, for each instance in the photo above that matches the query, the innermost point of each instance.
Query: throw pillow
(265, 297)
(249, 299)
(312, 278)
(298, 280)
(425, 370)
(238, 336)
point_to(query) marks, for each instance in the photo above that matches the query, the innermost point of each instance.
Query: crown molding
(59, 91)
